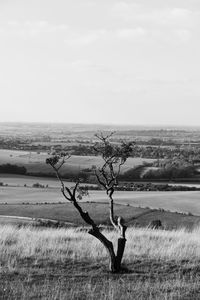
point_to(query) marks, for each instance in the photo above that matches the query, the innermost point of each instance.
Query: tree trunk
(115, 260)
(120, 251)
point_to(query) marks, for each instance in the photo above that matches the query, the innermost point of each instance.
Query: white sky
(108, 61)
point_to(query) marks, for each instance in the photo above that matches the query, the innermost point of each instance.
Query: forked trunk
(115, 260)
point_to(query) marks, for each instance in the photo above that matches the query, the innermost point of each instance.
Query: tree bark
(108, 245)
(120, 251)
(114, 260)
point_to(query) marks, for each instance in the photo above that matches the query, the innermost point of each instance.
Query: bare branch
(112, 218)
(102, 171)
(103, 138)
(75, 189)
(63, 161)
(63, 192)
(99, 180)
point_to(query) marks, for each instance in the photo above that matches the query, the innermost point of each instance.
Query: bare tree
(114, 156)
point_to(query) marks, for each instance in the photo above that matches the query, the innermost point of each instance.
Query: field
(18, 221)
(17, 200)
(136, 207)
(173, 201)
(69, 264)
(35, 162)
(21, 180)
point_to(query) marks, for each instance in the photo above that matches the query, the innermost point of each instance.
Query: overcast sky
(108, 61)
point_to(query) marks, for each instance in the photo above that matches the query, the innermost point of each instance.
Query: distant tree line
(139, 173)
(192, 154)
(171, 173)
(144, 187)
(166, 170)
(12, 169)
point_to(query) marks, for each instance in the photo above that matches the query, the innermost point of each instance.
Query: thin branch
(63, 192)
(112, 218)
(61, 164)
(75, 189)
(69, 192)
(103, 138)
(63, 188)
(99, 180)
(102, 171)
(58, 176)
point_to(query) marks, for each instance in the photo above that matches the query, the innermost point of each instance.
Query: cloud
(127, 34)
(32, 28)
(140, 14)
(183, 35)
(123, 9)
(82, 40)
(181, 13)
(169, 17)
(86, 38)
(131, 33)
(146, 23)
(91, 37)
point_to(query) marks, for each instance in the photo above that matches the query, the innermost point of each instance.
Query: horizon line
(101, 124)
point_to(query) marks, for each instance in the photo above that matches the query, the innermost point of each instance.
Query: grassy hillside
(66, 212)
(69, 264)
(99, 211)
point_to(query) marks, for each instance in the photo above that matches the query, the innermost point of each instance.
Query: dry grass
(109, 289)
(70, 264)
(17, 244)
